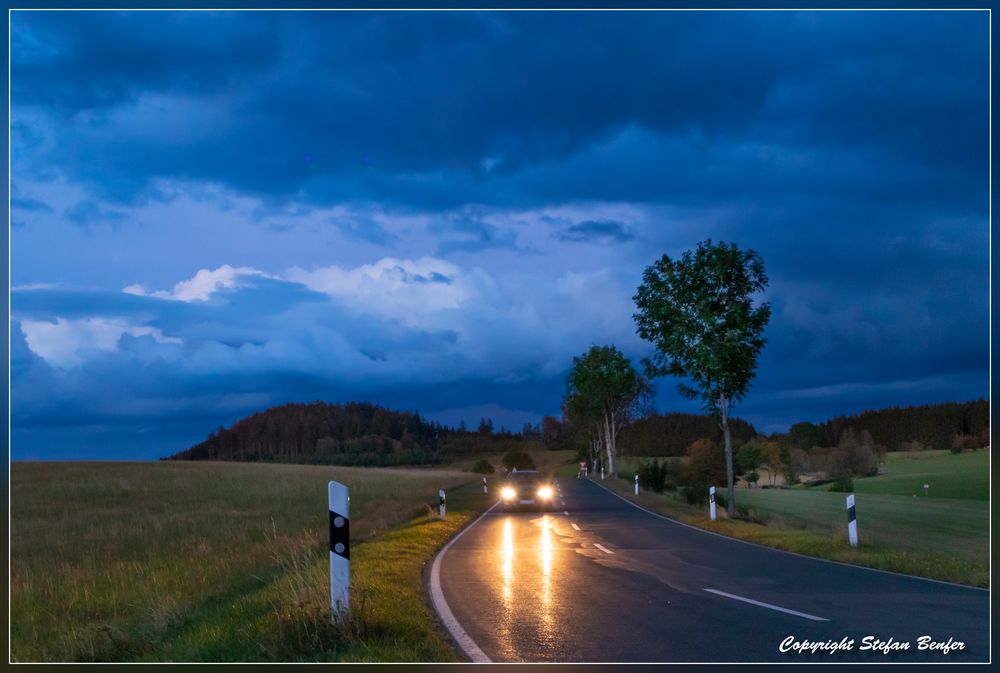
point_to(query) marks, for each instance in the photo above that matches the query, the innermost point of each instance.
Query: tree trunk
(609, 445)
(731, 501)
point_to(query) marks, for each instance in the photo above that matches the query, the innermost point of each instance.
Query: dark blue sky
(214, 213)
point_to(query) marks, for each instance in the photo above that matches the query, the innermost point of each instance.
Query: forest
(355, 433)
(360, 433)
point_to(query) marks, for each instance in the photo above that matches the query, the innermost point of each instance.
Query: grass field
(940, 535)
(962, 476)
(222, 561)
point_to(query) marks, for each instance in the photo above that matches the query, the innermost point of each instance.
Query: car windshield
(524, 478)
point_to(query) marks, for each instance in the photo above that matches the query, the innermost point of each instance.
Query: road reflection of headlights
(507, 493)
(545, 493)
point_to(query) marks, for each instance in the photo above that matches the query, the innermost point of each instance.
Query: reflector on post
(340, 549)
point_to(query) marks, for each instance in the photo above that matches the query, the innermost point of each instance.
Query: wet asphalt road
(539, 588)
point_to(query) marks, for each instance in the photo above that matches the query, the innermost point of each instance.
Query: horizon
(217, 213)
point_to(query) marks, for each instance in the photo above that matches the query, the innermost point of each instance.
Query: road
(600, 580)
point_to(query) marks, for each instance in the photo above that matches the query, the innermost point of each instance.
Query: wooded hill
(934, 426)
(356, 433)
(671, 434)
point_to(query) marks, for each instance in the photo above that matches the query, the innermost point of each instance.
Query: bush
(653, 476)
(483, 466)
(964, 442)
(697, 494)
(706, 463)
(694, 495)
(843, 484)
(518, 460)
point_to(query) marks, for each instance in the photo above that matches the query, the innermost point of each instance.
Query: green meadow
(943, 534)
(223, 561)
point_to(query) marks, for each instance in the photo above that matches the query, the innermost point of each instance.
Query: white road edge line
(575, 527)
(603, 549)
(785, 551)
(804, 615)
(463, 639)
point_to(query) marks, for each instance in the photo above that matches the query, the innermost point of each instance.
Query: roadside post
(927, 490)
(441, 506)
(602, 473)
(711, 502)
(637, 484)
(340, 549)
(852, 521)
(484, 485)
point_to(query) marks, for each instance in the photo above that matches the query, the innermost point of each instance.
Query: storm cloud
(219, 211)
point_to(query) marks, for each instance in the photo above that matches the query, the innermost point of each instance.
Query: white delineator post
(602, 473)
(711, 502)
(927, 489)
(637, 484)
(340, 549)
(441, 506)
(852, 521)
(484, 485)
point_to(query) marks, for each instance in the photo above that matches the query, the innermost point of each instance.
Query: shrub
(843, 484)
(518, 460)
(483, 466)
(653, 476)
(706, 463)
(697, 494)
(964, 442)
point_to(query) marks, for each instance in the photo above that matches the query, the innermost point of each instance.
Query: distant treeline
(933, 426)
(356, 433)
(672, 434)
(360, 433)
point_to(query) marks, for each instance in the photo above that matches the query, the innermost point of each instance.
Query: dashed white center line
(608, 551)
(575, 527)
(804, 615)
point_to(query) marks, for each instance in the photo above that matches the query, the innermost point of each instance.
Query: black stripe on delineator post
(340, 536)
(851, 514)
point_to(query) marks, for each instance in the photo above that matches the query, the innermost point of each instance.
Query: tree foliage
(698, 312)
(603, 391)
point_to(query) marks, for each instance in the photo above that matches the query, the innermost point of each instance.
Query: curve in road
(602, 580)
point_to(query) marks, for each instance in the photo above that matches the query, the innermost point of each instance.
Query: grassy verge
(222, 562)
(830, 540)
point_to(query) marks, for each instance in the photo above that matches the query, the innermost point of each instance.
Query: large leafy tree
(698, 312)
(602, 391)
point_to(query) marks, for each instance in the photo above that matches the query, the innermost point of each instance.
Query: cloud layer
(214, 212)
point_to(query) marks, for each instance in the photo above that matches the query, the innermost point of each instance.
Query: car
(523, 489)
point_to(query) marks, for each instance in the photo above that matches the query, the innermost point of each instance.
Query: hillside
(934, 426)
(671, 434)
(355, 433)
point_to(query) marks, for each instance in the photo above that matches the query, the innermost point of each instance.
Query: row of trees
(934, 426)
(698, 313)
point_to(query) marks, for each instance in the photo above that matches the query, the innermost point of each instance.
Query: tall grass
(188, 561)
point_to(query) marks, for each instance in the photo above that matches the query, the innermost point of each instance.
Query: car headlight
(507, 493)
(545, 493)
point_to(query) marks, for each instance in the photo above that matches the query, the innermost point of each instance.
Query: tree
(804, 435)
(698, 312)
(747, 460)
(603, 391)
(771, 453)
